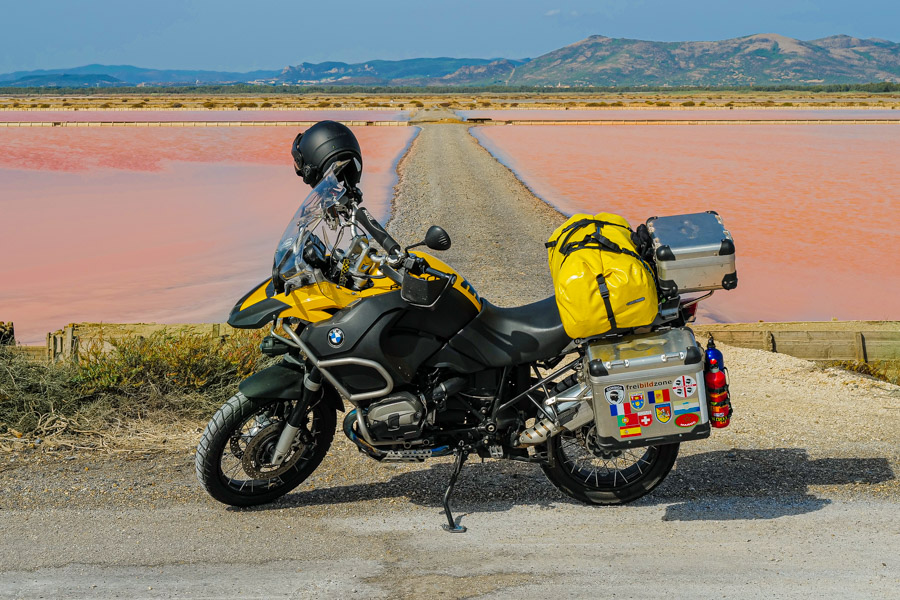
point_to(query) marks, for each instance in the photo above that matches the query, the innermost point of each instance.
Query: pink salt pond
(814, 209)
(709, 114)
(139, 225)
(169, 116)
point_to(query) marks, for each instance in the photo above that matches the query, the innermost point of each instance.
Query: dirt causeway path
(799, 498)
(497, 227)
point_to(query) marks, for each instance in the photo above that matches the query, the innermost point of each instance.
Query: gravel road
(497, 227)
(797, 499)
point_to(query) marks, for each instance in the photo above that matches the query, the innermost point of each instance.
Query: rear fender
(284, 381)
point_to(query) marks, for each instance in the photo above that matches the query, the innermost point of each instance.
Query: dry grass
(885, 370)
(675, 100)
(133, 391)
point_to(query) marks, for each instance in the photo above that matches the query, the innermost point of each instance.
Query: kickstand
(451, 525)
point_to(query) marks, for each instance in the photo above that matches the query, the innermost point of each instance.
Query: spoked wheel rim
(245, 466)
(596, 469)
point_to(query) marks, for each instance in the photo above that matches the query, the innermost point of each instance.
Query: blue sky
(248, 34)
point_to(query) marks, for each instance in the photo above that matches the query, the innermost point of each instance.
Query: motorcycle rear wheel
(231, 455)
(608, 478)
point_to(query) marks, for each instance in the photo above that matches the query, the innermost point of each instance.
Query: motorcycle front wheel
(591, 475)
(233, 455)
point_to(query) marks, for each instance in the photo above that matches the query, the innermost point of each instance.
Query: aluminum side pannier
(648, 389)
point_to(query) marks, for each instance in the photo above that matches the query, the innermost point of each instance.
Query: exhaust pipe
(571, 416)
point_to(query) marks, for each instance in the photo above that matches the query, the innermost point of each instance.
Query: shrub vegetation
(175, 374)
(885, 370)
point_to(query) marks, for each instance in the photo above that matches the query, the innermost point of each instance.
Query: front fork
(312, 394)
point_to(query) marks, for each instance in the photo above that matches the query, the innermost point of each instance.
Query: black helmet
(318, 147)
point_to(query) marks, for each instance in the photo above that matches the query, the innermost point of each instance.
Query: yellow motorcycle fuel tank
(319, 301)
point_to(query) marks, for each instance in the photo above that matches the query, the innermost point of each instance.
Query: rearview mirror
(437, 239)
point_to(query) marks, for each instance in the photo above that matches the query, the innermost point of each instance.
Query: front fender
(284, 381)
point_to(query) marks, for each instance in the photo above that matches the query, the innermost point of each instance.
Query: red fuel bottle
(718, 396)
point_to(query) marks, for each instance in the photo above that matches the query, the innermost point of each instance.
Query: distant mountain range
(762, 59)
(128, 75)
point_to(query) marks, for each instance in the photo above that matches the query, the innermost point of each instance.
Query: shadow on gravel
(714, 486)
(759, 484)
(491, 486)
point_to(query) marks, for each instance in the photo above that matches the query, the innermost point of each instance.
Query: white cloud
(552, 13)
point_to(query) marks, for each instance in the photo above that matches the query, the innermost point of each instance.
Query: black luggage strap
(594, 240)
(604, 293)
(599, 242)
(571, 229)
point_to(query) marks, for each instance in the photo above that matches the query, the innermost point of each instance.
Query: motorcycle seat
(500, 337)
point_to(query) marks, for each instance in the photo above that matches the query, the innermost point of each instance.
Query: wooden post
(861, 347)
(68, 335)
(7, 334)
(770, 341)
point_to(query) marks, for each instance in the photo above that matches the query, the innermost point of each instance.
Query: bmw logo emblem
(336, 337)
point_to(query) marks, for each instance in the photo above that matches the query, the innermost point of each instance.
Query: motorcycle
(427, 366)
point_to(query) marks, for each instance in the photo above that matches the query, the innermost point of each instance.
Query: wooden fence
(65, 343)
(826, 341)
(864, 341)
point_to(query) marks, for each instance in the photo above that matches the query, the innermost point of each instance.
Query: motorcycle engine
(397, 417)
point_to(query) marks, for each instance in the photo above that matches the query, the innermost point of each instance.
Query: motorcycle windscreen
(314, 216)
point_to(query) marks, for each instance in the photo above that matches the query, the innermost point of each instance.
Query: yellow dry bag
(602, 285)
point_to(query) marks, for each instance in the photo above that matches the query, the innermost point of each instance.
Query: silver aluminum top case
(648, 389)
(693, 253)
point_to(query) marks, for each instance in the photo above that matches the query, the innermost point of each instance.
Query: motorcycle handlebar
(439, 274)
(374, 228)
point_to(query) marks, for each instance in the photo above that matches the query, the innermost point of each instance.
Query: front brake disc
(257, 456)
(260, 423)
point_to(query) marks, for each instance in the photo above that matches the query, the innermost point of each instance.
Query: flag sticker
(684, 386)
(663, 412)
(628, 420)
(625, 432)
(685, 407)
(687, 420)
(658, 396)
(615, 394)
(637, 401)
(620, 409)
(645, 419)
